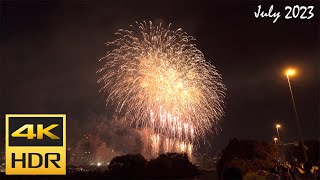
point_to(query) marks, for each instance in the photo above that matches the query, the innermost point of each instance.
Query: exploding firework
(157, 78)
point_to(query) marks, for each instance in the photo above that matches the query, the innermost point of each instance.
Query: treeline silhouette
(131, 166)
(173, 165)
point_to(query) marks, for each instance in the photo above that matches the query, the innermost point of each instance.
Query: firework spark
(157, 78)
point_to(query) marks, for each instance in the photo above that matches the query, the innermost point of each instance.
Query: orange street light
(292, 72)
(278, 126)
(275, 140)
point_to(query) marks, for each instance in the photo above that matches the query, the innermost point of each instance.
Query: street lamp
(278, 126)
(275, 140)
(292, 72)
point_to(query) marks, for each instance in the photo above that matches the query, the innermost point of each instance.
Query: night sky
(50, 50)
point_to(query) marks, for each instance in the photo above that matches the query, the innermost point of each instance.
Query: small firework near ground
(157, 79)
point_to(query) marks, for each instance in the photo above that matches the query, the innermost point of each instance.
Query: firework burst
(157, 78)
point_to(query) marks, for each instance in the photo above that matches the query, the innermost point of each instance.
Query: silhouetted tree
(130, 165)
(168, 165)
(171, 165)
(248, 156)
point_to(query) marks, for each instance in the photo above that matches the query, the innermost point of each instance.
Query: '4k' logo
(40, 131)
(35, 144)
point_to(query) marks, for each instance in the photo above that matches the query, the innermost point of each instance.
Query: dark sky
(50, 51)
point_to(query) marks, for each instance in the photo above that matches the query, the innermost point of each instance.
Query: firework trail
(157, 78)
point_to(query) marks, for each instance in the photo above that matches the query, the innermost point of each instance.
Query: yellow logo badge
(35, 144)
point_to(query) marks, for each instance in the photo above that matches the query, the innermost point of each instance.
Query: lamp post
(292, 72)
(275, 140)
(278, 126)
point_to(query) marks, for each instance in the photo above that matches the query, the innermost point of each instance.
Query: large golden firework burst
(158, 79)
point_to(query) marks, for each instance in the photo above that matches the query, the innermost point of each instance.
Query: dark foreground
(202, 175)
